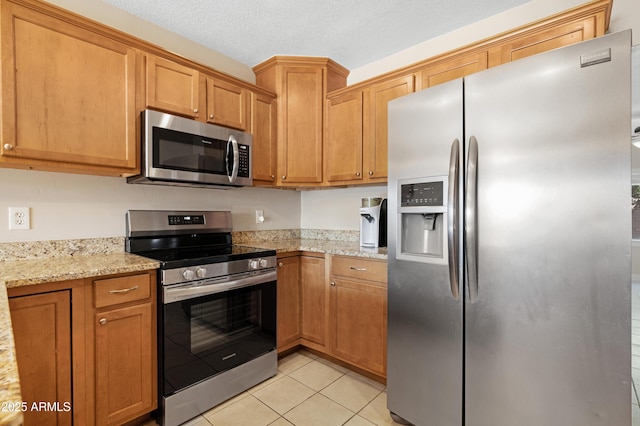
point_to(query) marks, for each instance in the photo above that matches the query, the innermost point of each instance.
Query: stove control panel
(217, 270)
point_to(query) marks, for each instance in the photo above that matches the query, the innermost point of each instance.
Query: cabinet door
(300, 150)
(542, 41)
(42, 333)
(264, 131)
(227, 104)
(452, 69)
(358, 324)
(172, 87)
(375, 123)
(313, 297)
(288, 300)
(68, 96)
(125, 367)
(343, 139)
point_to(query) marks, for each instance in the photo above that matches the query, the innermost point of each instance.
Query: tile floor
(635, 353)
(307, 391)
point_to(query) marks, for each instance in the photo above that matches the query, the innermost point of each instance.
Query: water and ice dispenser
(422, 220)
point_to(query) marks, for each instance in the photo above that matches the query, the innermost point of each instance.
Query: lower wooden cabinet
(42, 335)
(288, 317)
(313, 301)
(95, 357)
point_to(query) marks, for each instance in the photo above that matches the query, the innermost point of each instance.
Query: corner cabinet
(301, 84)
(68, 95)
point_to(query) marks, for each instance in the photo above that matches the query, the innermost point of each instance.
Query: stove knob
(187, 274)
(263, 263)
(201, 272)
(253, 264)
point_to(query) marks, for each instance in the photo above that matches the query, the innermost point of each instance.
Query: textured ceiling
(351, 32)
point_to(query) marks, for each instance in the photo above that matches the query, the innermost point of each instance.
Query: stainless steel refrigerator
(509, 244)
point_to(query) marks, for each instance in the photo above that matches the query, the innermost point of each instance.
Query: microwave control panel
(243, 159)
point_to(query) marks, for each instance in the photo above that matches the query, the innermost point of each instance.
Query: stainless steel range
(217, 318)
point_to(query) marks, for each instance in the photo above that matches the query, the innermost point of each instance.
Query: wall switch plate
(19, 218)
(259, 216)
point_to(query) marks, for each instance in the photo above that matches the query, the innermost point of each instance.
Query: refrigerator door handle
(452, 218)
(471, 220)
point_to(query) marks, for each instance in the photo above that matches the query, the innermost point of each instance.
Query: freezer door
(547, 336)
(424, 374)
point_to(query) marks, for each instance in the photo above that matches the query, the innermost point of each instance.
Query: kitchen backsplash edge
(25, 250)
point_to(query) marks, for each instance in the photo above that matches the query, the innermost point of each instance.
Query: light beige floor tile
(368, 380)
(358, 421)
(351, 392)
(293, 362)
(318, 411)
(280, 422)
(635, 415)
(227, 403)
(284, 394)
(307, 353)
(197, 421)
(316, 375)
(267, 382)
(376, 411)
(634, 398)
(248, 411)
(331, 364)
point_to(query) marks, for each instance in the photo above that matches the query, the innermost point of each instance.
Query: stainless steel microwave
(182, 152)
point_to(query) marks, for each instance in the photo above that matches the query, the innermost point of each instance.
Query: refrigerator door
(424, 374)
(547, 337)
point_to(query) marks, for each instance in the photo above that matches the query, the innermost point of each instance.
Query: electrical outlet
(19, 218)
(259, 216)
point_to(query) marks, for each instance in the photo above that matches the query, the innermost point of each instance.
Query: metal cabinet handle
(370, 173)
(353, 268)
(333, 284)
(195, 110)
(211, 116)
(284, 177)
(124, 290)
(102, 321)
(273, 177)
(280, 264)
(358, 174)
(8, 146)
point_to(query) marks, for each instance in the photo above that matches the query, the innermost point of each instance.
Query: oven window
(183, 151)
(211, 334)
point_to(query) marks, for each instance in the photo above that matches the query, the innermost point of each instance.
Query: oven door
(212, 326)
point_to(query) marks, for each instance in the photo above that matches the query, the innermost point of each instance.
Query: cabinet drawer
(113, 291)
(363, 269)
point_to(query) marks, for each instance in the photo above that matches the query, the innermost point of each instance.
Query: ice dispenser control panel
(422, 211)
(422, 194)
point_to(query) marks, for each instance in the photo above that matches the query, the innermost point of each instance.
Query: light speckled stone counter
(345, 248)
(38, 271)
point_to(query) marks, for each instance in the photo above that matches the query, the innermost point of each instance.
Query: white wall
(336, 208)
(66, 206)
(625, 15)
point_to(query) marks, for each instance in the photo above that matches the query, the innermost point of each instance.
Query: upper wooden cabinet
(343, 138)
(68, 96)
(172, 87)
(301, 85)
(228, 104)
(450, 69)
(264, 131)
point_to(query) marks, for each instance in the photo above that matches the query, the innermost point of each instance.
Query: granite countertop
(37, 271)
(344, 248)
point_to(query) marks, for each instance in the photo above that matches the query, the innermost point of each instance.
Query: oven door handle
(172, 294)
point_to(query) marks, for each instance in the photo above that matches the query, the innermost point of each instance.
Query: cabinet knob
(102, 321)
(8, 146)
(280, 264)
(358, 174)
(211, 116)
(195, 110)
(284, 177)
(370, 173)
(273, 177)
(333, 284)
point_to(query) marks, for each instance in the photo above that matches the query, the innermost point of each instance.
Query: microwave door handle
(236, 159)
